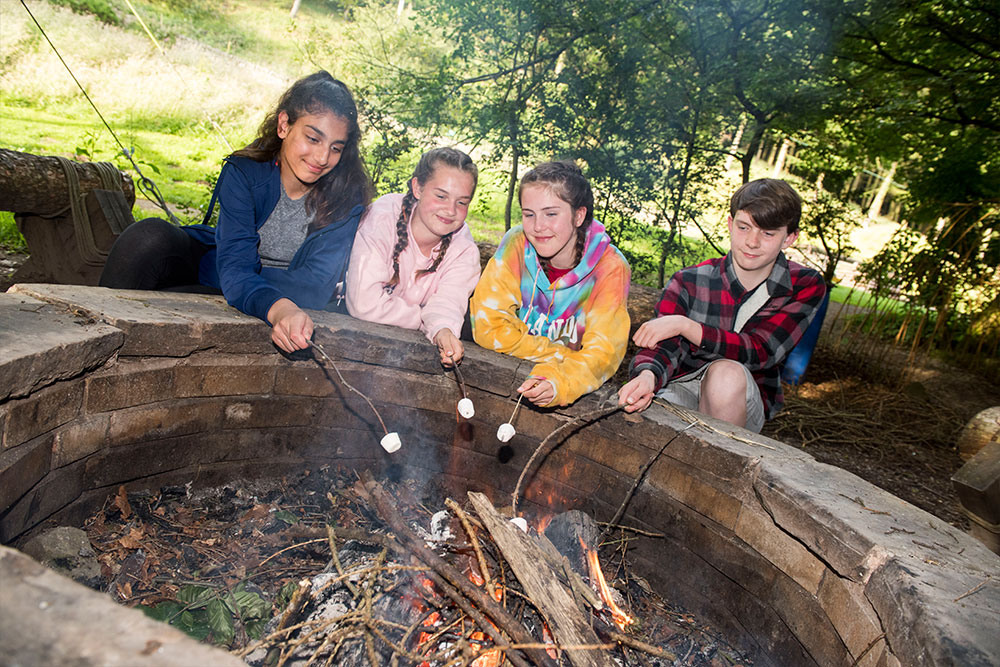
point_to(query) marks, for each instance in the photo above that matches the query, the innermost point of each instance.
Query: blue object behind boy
(725, 326)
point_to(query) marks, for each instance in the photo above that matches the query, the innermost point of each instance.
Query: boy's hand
(537, 390)
(449, 346)
(637, 393)
(652, 332)
(291, 328)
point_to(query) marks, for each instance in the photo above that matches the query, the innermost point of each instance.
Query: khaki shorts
(686, 392)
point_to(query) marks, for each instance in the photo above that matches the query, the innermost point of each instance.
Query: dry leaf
(121, 502)
(130, 543)
(125, 590)
(257, 512)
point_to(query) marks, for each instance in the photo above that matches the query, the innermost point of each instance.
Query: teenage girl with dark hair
(414, 262)
(555, 292)
(289, 205)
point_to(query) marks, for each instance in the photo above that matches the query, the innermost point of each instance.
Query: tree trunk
(65, 245)
(295, 8)
(779, 163)
(37, 184)
(511, 187)
(735, 146)
(883, 190)
(747, 158)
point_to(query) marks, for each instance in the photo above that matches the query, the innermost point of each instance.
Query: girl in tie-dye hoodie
(555, 292)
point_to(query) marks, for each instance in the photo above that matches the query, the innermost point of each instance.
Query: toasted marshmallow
(520, 523)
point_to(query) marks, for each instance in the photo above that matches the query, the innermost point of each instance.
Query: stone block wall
(797, 562)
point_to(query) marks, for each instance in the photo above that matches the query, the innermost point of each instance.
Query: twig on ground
(974, 589)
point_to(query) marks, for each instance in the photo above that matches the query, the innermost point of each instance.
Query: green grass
(10, 238)
(863, 299)
(179, 160)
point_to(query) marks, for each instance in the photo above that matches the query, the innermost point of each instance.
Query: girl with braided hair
(414, 262)
(289, 205)
(555, 292)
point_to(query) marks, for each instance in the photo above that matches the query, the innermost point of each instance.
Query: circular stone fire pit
(796, 562)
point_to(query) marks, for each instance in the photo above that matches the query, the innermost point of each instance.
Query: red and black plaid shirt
(710, 293)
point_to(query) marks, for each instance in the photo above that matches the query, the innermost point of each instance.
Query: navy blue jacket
(247, 192)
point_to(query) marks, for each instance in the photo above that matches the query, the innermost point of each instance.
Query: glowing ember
(490, 658)
(621, 619)
(547, 638)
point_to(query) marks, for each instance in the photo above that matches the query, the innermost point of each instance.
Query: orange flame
(490, 658)
(621, 619)
(548, 639)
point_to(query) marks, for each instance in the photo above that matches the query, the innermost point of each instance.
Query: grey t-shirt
(284, 231)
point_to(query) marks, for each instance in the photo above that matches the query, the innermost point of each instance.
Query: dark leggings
(153, 254)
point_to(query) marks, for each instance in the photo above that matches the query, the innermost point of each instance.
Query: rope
(146, 185)
(110, 180)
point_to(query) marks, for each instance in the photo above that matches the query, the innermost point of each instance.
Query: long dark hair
(566, 180)
(429, 161)
(346, 185)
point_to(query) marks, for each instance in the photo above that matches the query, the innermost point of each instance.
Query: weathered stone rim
(805, 562)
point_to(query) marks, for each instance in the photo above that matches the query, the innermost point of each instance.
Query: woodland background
(885, 114)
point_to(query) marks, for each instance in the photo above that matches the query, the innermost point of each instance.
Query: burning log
(566, 620)
(458, 587)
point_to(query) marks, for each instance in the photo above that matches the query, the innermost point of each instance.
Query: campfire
(465, 586)
(794, 562)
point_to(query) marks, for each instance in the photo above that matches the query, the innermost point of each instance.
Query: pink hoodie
(436, 301)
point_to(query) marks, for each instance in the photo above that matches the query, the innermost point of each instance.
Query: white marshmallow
(390, 442)
(505, 432)
(520, 523)
(466, 409)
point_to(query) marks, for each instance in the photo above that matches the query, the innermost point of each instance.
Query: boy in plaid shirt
(724, 327)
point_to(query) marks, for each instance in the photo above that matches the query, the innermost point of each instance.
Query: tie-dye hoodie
(576, 329)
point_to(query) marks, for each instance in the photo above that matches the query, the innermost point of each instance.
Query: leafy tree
(502, 62)
(927, 92)
(779, 53)
(829, 221)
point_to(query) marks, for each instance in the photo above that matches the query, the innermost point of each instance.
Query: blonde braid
(402, 239)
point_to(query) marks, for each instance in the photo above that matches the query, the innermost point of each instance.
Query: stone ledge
(47, 619)
(817, 562)
(42, 344)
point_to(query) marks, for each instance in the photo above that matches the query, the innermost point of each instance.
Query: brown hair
(429, 161)
(567, 181)
(348, 183)
(772, 203)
